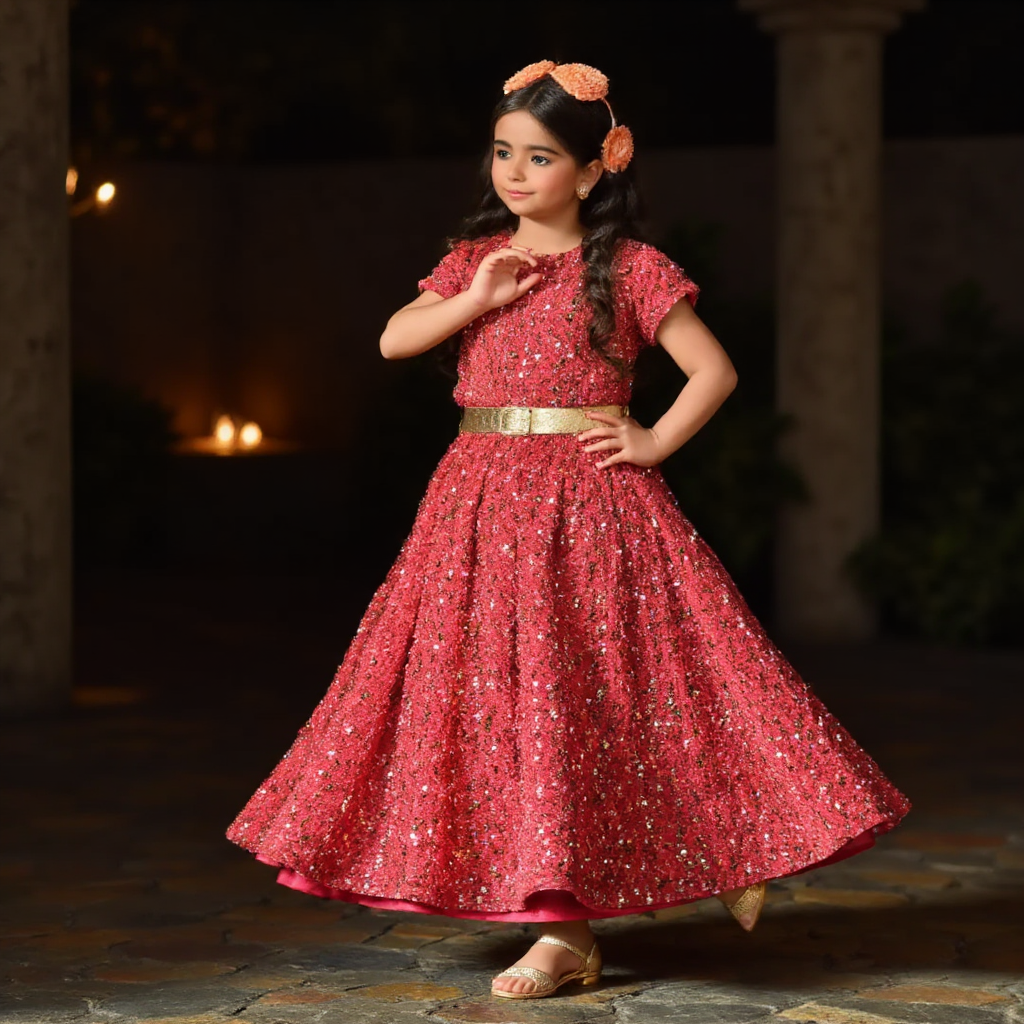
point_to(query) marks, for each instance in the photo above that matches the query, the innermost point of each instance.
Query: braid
(611, 215)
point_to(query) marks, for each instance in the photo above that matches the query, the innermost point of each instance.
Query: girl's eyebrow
(538, 149)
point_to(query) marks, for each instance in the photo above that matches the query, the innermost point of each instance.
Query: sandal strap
(544, 982)
(749, 900)
(584, 957)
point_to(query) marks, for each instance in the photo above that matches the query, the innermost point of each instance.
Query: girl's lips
(513, 194)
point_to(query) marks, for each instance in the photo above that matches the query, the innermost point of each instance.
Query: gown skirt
(558, 705)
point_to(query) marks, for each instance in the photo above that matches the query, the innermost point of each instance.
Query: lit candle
(250, 435)
(224, 431)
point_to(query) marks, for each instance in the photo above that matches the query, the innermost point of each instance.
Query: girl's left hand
(635, 443)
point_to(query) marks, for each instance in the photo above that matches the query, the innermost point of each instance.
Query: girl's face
(531, 171)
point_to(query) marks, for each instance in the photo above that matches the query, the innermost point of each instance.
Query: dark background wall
(287, 170)
(289, 80)
(262, 290)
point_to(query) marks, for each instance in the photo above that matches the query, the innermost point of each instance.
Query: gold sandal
(545, 984)
(750, 901)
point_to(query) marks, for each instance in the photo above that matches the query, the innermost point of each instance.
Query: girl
(557, 706)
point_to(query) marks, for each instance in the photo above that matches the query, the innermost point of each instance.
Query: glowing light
(71, 181)
(224, 431)
(250, 435)
(105, 192)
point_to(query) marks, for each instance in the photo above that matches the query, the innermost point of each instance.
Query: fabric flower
(581, 81)
(529, 75)
(617, 149)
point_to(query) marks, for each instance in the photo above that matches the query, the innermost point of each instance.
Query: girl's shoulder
(651, 283)
(641, 265)
(474, 249)
(633, 256)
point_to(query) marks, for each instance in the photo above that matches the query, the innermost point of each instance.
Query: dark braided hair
(611, 212)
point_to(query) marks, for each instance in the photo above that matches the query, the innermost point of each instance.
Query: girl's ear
(591, 174)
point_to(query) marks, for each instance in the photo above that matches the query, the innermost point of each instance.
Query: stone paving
(124, 903)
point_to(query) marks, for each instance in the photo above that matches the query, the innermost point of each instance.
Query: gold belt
(518, 419)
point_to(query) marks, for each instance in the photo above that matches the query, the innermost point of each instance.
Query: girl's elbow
(730, 378)
(387, 344)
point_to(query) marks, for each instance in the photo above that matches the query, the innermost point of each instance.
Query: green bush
(948, 563)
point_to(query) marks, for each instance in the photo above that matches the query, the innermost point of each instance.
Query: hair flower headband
(582, 82)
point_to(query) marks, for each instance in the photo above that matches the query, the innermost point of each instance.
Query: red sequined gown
(557, 704)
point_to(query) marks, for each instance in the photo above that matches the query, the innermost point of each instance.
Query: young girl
(557, 706)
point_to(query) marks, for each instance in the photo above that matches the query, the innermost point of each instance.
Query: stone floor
(124, 903)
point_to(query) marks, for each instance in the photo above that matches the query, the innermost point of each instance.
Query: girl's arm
(711, 379)
(429, 319)
(426, 322)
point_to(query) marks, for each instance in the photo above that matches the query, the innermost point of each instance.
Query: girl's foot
(745, 904)
(554, 961)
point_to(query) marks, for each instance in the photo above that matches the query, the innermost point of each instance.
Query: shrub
(948, 563)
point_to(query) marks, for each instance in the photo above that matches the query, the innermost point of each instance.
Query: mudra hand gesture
(622, 434)
(496, 280)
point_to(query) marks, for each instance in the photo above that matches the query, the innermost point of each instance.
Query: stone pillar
(828, 142)
(35, 401)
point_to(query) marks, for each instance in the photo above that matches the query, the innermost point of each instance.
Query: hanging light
(97, 200)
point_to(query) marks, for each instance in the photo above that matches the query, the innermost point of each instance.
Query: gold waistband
(518, 419)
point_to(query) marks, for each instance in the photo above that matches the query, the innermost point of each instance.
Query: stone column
(35, 403)
(829, 135)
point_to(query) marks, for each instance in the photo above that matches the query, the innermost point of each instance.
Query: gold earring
(582, 192)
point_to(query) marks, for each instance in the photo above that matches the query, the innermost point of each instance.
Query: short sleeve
(655, 284)
(452, 274)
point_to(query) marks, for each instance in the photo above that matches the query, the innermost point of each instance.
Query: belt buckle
(515, 420)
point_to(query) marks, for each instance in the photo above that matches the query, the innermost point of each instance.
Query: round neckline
(542, 255)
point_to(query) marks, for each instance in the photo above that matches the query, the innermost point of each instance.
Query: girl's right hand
(496, 283)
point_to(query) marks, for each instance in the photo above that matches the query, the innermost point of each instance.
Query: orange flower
(581, 81)
(587, 84)
(529, 75)
(617, 149)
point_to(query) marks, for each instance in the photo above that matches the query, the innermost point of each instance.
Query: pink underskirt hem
(546, 904)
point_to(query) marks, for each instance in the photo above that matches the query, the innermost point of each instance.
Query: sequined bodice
(535, 351)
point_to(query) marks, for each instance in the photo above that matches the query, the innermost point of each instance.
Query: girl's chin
(517, 211)
(523, 210)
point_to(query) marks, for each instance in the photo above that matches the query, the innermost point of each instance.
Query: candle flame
(105, 192)
(224, 431)
(250, 435)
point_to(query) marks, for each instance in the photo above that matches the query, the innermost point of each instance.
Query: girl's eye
(502, 154)
(539, 160)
